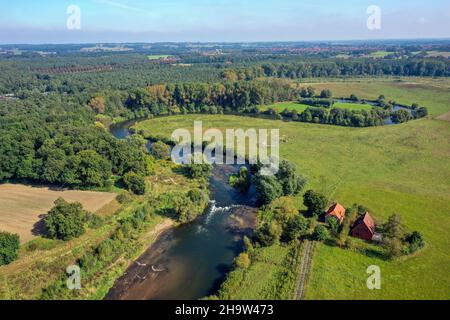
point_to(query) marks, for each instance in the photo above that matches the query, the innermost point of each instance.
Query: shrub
(65, 221)
(321, 233)
(242, 261)
(268, 234)
(335, 226)
(9, 247)
(295, 228)
(94, 221)
(392, 247)
(326, 93)
(135, 183)
(199, 171)
(123, 197)
(414, 242)
(241, 181)
(160, 150)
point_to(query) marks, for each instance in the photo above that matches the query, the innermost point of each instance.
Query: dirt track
(304, 270)
(445, 116)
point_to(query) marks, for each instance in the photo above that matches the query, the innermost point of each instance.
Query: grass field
(401, 169)
(22, 207)
(302, 107)
(158, 56)
(379, 54)
(271, 276)
(428, 92)
(285, 105)
(352, 106)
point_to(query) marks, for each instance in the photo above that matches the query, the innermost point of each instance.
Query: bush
(326, 93)
(335, 226)
(94, 221)
(197, 196)
(199, 171)
(321, 233)
(295, 228)
(268, 234)
(392, 247)
(160, 150)
(135, 183)
(123, 197)
(414, 242)
(241, 181)
(242, 261)
(9, 247)
(65, 221)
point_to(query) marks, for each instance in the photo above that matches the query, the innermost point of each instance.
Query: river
(191, 261)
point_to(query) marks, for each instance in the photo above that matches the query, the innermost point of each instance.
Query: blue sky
(44, 21)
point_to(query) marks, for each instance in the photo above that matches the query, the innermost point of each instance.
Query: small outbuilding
(364, 227)
(336, 211)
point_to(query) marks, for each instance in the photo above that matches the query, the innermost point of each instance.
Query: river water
(191, 261)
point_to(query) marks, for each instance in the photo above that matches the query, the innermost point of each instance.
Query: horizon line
(228, 41)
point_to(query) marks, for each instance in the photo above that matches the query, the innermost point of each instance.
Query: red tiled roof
(368, 221)
(337, 210)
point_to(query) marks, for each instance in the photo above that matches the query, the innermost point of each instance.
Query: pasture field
(379, 54)
(271, 276)
(402, 169)
(158, 56)
(431, 93)
(352, 106)
(22, 206)
(280, 107)
(286, 105)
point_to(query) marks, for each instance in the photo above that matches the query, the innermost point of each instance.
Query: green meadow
(290, 105)
(352, 106)
(402, 169)
(299, 107)
(158, 56)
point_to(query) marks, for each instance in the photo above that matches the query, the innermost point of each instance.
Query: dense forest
(51, 139)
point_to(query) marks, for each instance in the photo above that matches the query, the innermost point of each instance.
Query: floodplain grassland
(402, 169)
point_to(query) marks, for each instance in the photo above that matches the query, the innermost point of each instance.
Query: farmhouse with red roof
(364, 227)
(336, 211)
